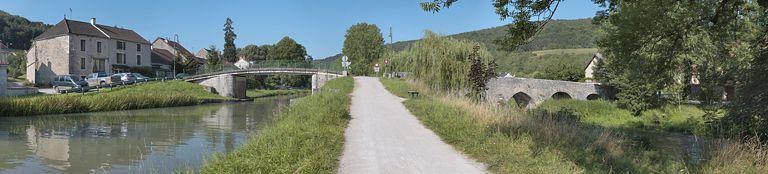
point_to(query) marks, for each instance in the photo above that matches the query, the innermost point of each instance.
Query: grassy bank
(149, 95)
(270, 93)
(307, 138)
(682, 118)
(514, 141)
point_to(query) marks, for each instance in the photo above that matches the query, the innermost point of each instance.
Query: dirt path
(383, 137)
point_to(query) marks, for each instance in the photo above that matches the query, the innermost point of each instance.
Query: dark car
(61, 83)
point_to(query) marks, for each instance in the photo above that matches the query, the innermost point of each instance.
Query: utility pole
(175, 59)
(391, 47)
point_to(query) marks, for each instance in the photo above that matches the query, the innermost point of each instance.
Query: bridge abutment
(227, 85)
(319, 80)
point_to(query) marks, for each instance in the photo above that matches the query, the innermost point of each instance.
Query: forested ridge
(17, 32)
(572, 41)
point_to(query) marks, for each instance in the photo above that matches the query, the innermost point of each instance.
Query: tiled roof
(67, 26)
(161, 56)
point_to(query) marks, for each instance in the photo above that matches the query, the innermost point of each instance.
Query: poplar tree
(230, 51)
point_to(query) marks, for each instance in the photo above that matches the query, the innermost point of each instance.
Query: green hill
(568, 43)
(17, 32)
(557, 34)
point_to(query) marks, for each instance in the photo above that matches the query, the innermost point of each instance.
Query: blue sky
(318, 25)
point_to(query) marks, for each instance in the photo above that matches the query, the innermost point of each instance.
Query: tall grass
(151, 95)
(680, 118)
(308, 138)
(518, 141)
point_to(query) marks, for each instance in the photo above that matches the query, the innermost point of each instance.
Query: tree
(230, 51)
(213, 57)
(364, 45)
(17, 32)
(479, 74)
(250, 52)
(288, 49)
(186, 63)
(17, 64)
(521, 12)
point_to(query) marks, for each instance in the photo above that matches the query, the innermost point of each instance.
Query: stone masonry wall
(539, 90)
(49, 57)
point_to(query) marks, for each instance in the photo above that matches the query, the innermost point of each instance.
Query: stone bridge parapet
(529, 93)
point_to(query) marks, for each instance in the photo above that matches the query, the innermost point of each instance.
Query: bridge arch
(593, 97)
(521, 99)
(561, 95)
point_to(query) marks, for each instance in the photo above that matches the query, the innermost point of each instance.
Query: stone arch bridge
(231, 83)
(529, 93)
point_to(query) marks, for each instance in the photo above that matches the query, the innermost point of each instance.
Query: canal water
(162, 140)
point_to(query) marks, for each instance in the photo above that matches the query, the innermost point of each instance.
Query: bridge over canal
(229, 80)
(529, 93)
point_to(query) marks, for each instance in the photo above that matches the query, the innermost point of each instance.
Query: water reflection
(140, 141)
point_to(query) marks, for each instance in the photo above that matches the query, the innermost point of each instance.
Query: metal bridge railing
(224, 67)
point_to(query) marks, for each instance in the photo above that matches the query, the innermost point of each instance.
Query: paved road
(383, 137)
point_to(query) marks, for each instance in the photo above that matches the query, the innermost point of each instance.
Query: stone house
(591, 64)
(165, 51)
(81, 48)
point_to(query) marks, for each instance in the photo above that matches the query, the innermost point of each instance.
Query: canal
(139, 141)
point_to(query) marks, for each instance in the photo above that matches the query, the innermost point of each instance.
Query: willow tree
(441, 62)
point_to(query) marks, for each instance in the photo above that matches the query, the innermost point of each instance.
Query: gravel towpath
(384, 137)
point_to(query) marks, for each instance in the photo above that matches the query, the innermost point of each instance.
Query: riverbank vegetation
(307, 138)
(681, 118)
(142, 96)
(515, 141)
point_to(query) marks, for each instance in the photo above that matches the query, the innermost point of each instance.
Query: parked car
(100, 78)
(140, 77)
(62, 83)
(123, 77)
(182, 75)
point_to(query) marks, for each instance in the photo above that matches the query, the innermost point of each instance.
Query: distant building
(81, 48)
(165, 51)
(591, 64)
(202, 53)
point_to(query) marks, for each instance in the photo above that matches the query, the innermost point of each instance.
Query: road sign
(345, 62)
(376, 68)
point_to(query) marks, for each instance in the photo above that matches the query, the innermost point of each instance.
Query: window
(138, 47)
(120, 58)
(98, 47)
(82, 45)
(120, 45)
(138, 59)
(82, 63)
(99, 65)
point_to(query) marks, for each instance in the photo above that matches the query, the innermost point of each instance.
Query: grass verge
(270, 93)
(516, 141)
(149, 95)
(681, 118)
(307, 138)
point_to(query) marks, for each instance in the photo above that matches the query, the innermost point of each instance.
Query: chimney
(93, 21)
